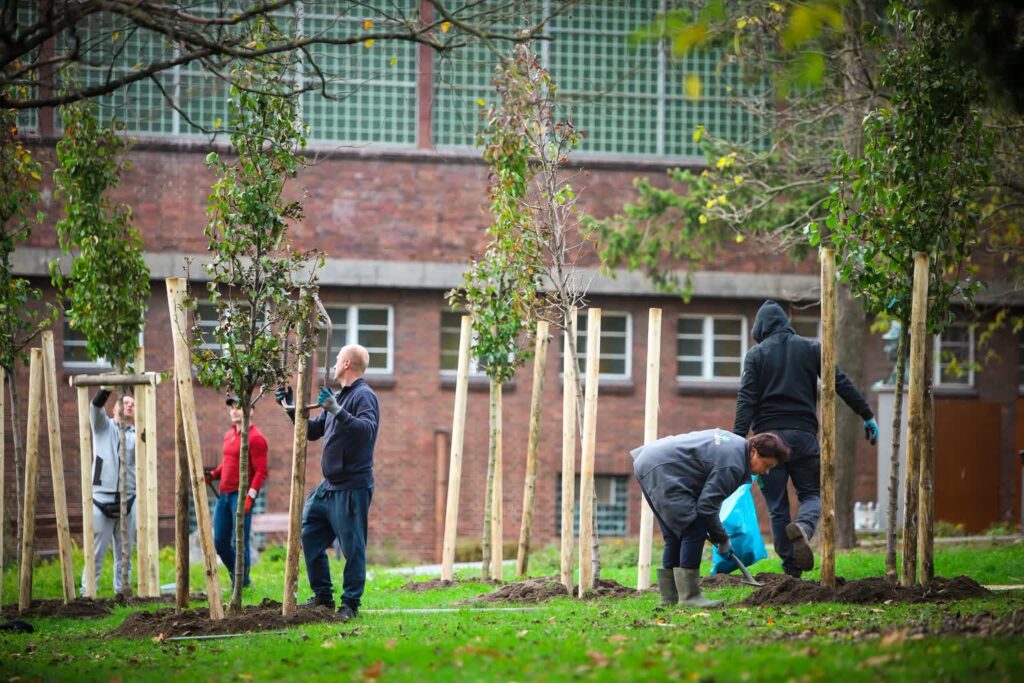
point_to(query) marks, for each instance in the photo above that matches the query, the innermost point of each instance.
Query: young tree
(916, 188)
(21, 318)
(108, 286)
(254, 276)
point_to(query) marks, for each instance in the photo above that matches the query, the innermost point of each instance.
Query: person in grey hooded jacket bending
(685, 479)
(106, 464)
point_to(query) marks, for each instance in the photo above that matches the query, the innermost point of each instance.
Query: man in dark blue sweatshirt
(339, 506)
(779, 393)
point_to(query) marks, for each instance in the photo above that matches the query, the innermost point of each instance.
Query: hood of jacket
(771, 319)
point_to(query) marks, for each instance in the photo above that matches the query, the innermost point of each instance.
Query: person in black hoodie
(339, 506)
(779, 393)
(685, 479)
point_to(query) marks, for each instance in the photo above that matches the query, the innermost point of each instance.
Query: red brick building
(399, 208)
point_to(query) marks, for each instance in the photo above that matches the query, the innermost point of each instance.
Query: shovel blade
(747, 576)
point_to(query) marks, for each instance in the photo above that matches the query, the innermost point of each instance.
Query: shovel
(747, 577)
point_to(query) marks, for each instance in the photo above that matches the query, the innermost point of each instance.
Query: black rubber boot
(667, 587)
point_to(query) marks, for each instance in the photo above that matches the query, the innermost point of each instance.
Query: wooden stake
(440, 484)
(85, 460)
(181, 560)
(651, 406)
(915, 417)
(569, 372)
(28, 512)
(152, 490)
(60, 499)
(113, 379)
(497, 519)
(3, 481)
(183, 380)
(451, 517)
(926, 496)
(297, 495)
(540, 361)
(828, 418)
(589, 445)
(141, 490)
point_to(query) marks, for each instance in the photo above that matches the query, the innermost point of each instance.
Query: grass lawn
(609, 639)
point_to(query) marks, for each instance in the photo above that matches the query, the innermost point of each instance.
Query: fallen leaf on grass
(894, 638)
(701, 648)
(374, 671)
(617, 638)
(878, 660)
(327, 644)
(391, 644)
(598, 658)
(159, 638)
(522, 633)
(701, 615)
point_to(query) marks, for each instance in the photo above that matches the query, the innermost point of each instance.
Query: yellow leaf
(738, 179)
(368, 42)
(368, 24)
(739, 239)
(481, 101)
(217, 123)
(698, 133)
(445, 26)
(692, 85)
(117, 34)
(741, 22)
(690, 37)
(703, 219)
(775, 6)
(709, 204)
(394, 60)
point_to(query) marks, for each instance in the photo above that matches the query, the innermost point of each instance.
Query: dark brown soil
(84, 608)
(547, 588)
(431, 585)
(734, 581)
(790, 591)
(266, 616)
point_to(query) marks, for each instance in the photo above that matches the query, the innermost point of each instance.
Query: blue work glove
(871, 431)
(325, 399)
(724, 548)
(283, 396)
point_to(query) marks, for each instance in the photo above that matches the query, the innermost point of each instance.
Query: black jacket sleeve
(848, 392)
(748, 397)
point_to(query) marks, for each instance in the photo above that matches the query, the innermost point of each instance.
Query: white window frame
(98, 364)
(707, 357)
(581, 348)
(209, 324)
(352, 331)
(474, 365)
(969, 367)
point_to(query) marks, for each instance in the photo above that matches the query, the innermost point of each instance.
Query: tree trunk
(926, 493)
(485, 542)
(540, 359)
(850, 319)
(235, 608)
(19, 459)
(894, 459)
(122, 487)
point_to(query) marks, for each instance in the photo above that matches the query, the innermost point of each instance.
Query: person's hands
(871, 431)
(325, 399)
(208, 478)
(724, 548)
(284, 395)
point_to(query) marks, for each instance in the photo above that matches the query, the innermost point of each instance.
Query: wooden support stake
(152, 490)
(440, 484)
(540, 361)
(651, 406)
(569, 371)
(141, 490)
(60, 498)
(297, 495)
(28, 512)
(85, 461)
(451, 517)
(111, 379)
(915, 417)
(926, 496)
(183, 380)
(589, 445)
(3, 482)
(497, 520)
(181, 559)
(828, 418)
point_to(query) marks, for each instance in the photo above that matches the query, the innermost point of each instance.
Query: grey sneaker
(803, 557)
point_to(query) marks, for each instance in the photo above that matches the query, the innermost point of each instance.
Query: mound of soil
(547, 588)
(735, 581)
(266, 616)
(431, 585)
(791, 591)
(86, 608)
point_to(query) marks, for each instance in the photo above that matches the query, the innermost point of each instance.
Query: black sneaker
(346, 612)
(803, 557)
(317, 601)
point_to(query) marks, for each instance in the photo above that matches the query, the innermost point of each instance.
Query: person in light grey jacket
(685, 479)
(106, 464)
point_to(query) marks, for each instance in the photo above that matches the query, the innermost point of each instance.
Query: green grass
(611, 639)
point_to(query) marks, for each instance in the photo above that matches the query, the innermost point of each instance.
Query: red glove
(248, 504)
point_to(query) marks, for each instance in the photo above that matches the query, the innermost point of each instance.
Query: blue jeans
(224, 533)
(685, 549)
(804, 468)
(342, 515)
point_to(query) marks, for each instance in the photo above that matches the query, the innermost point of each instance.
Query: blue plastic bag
(739, 517)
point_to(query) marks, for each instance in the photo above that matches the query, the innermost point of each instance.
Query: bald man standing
(339, 506)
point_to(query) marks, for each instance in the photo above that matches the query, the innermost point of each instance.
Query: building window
(710, 348)
(368, 326)
(954, 356)
(451, 329)
(616, 359)
(611, 500)
(208, 315)
(807, 327)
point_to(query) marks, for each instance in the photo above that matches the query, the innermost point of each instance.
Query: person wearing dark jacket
(339, 506)
(685, 479)
(779, 392)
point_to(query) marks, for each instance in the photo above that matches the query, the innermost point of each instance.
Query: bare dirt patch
(735, 581)
(266, 616)
(85, 608)
(791, 591)
(431, 585)
(547, 588)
